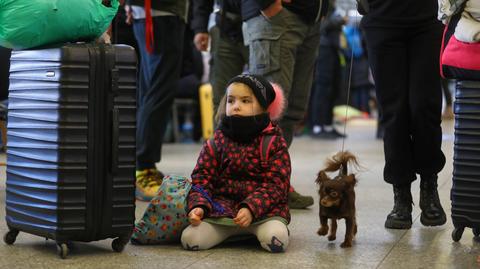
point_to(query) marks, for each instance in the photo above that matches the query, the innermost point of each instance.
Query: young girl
(236, 190)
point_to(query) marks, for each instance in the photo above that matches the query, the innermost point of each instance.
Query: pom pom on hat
(277, 107)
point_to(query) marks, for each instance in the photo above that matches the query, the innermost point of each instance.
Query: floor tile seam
(393, 246)
(197, 261)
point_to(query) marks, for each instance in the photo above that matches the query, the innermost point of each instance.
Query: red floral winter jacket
(232, 175)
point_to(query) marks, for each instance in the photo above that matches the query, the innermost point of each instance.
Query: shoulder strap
(265, 144)
(212, 146)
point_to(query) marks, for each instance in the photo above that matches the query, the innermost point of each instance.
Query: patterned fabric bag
(165, 217)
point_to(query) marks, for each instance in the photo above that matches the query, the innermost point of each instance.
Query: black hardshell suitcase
(465, 193)
(71, 144)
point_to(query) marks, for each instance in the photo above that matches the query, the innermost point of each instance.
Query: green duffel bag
(26, 24)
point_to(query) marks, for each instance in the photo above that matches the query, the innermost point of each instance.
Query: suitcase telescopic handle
(115, 138)
(114, 77)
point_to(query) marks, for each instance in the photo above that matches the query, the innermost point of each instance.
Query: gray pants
(272, 234)
(283, 49)
(228, 60)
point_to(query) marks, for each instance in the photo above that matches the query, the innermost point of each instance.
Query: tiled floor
(375, 246)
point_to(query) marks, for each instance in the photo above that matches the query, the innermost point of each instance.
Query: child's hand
(195, 216)
(243, 218)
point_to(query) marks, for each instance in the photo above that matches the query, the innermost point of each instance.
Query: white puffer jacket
(468, 28)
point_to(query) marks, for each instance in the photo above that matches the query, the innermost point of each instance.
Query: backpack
(166, 216)
(458, 60)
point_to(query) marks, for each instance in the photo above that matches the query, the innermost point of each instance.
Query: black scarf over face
(243, 129)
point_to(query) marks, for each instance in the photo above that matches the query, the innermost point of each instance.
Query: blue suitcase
(465, 192)
(71, 144)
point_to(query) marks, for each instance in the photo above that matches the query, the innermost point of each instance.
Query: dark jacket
(233, 176)
(203, 8)
(309, 10)
(330, 30)
(178, 7)
(400, 13)
(228, 19)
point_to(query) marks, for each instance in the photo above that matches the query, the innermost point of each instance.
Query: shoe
(148, 182)
(448, 113)
(401, 215)
(432, 211)
(330, 135)
(298, 201)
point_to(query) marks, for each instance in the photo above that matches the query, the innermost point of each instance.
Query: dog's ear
(321, 177)
(350, 180)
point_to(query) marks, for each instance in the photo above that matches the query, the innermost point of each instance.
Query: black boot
(432, 211)
(401, 215)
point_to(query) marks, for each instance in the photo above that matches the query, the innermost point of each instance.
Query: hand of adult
(273, 9)
(195, 216)
(244, 217)
(129, 14)
(201, 41)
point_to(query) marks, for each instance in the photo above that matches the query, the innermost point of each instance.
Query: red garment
(233, 177)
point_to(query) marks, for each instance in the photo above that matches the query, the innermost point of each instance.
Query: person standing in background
(229, 54)
(283, 38)
(328, 76)
(159, 32)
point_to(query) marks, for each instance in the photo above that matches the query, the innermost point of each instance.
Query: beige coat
(468, 28)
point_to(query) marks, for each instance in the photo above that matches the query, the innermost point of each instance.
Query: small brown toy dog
(337, 197)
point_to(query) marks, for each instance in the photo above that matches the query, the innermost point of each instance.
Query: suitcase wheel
(118, 245)
(62, 249)
(457, 233)
(10, 237)
(476, 231)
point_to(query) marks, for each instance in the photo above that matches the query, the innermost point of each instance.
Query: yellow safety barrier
(206, 110)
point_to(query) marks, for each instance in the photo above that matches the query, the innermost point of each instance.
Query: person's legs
(159, 73)
(303, 71)
(388, 59)
(207, 235)
(327, 88)
(364, 92)
(273, 235)
(387, 50)
(228, 60)
(273, 47)
(448, 112)
(425, 111)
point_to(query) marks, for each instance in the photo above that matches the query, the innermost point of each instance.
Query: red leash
(149, 26)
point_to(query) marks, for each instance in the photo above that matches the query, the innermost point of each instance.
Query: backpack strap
(212, 146)
(265, 144)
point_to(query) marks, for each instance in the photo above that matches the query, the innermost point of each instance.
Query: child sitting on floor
(241, 181)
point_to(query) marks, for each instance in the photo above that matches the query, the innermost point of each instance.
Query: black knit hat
(262, 89)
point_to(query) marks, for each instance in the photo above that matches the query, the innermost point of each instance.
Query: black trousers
(405, 66)
(157, 85)
(326, 86)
